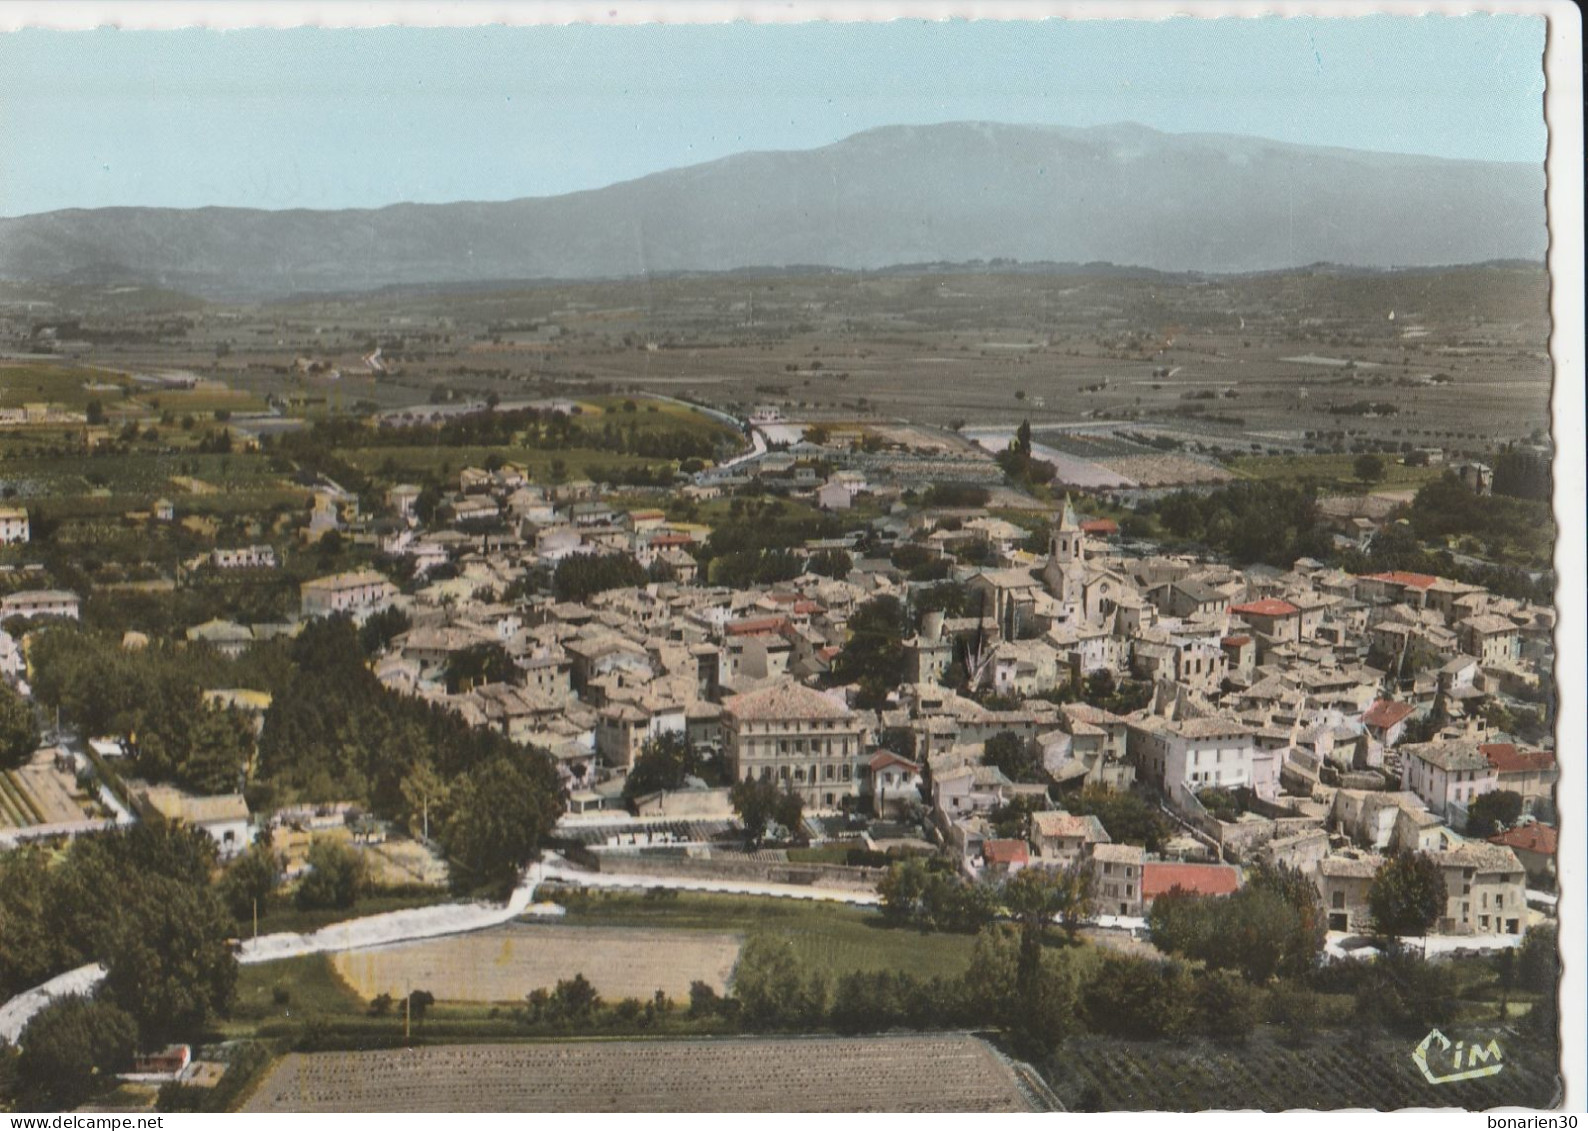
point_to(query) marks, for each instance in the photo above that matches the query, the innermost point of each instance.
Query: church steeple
(1067, 516)
(1064, 543)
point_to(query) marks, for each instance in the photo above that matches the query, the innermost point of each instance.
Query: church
(1087, 595)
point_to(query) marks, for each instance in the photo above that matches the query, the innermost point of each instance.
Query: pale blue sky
(337, 118)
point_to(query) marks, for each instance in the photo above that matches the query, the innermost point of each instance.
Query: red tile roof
(1401, 577)
(1005, 852)
(1158, 878)
(1104, 526)
(756, 626)
(1236, 641)
(1505, 757)
(1268, 607)
(882, 759)
(1528, 838)
(1385, 713)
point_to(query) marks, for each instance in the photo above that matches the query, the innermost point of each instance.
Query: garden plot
(948, 1072)
(505, 963)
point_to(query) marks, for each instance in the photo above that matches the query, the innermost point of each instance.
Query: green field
(65, 385)
(1336, 472)
(826, 936)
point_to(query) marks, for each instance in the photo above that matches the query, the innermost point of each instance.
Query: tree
(831, 563)
(32, 947)
(170, 964)
(501, 811)
(1300, 951)
(902, 891)
(1225, 1007)
(873, 656)
(766, 982)
(703, 1000)
(575, 999)
(338, 875)
(419, 1003)
(249, 881)
(1023, 438)
(1127, 817)
(1407, 896)
(1018, 760)
(1274, 925)
(72, 1047)
(477, 664)
(19, 729)
(1492, 813)
(424, 794)
(664, 761)
(759, 802)
(1138, 998)
(1368, 467)
(1538, 967)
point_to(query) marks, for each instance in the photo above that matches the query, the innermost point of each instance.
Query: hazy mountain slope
(1125, 194)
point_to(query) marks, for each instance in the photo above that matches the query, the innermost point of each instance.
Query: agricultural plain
(944, 1072)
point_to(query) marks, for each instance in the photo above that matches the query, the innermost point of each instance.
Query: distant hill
(903, 194)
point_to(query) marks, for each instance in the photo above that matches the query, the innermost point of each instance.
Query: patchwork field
(950, 1072)
(505, 964)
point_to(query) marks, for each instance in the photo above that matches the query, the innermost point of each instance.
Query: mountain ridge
(952, 192)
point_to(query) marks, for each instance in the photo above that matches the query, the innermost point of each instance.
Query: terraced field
(946, 1072)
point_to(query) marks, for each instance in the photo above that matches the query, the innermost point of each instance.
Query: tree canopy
(1408, 895)
(70, 1049)
(759, 802)
(19, 729)
(873, 656)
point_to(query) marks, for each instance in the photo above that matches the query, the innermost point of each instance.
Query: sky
(335, 118)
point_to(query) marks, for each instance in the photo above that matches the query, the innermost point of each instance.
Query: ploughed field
(945, 1072)
(506, 963)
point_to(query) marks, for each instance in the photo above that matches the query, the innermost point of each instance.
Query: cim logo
(1444, 1062)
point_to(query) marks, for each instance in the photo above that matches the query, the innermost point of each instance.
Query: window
(1337, 901)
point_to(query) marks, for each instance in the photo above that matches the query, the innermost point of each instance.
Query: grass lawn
(1336, 472)
(292, 987)
(826, 936)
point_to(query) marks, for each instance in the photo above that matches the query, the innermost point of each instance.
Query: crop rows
(1377, 1073)
(948, 1072)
